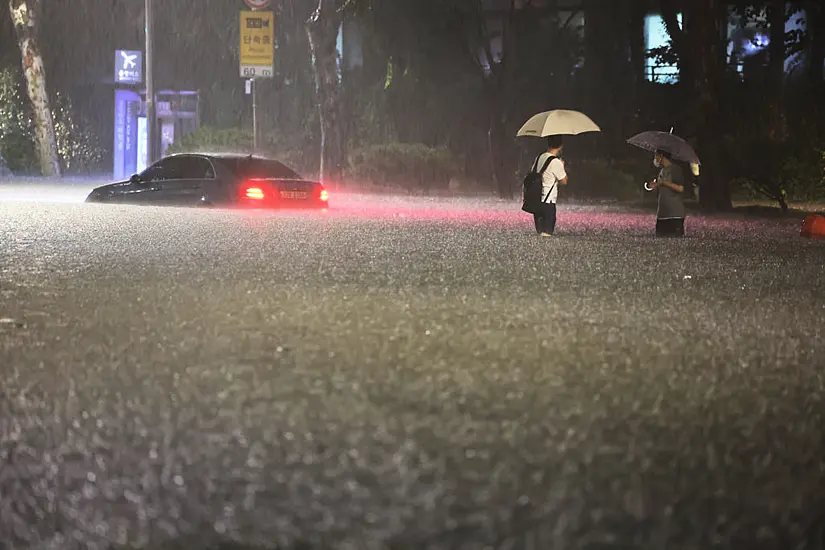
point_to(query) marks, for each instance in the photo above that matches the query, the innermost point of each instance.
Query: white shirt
(550, 179)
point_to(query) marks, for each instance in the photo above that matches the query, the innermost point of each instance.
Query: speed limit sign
(257, 4)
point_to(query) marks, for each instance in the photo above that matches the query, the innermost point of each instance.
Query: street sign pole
(254, 116)
(151, 115)
(257, 53)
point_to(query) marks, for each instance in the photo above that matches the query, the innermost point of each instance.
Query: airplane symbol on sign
(128, 60)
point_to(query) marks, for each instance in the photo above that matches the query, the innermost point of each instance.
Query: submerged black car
(220, 179)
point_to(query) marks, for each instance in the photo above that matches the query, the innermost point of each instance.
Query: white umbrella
(558, 122)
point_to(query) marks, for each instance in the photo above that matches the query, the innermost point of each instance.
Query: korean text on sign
(257, 38)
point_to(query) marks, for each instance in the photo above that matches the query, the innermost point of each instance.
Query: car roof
(223, 156)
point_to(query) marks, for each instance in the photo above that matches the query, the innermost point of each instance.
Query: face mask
(657, 163)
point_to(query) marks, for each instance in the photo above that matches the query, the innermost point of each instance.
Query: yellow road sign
(257, 43)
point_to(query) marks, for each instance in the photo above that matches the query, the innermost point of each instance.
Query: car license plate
(294, 194)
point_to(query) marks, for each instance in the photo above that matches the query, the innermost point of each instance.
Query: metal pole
(254, 117)
(151, 114)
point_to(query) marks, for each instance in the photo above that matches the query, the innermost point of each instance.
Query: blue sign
(121, 108)
(130, 131)
(142, 142)
(127, 104)
(128, 67)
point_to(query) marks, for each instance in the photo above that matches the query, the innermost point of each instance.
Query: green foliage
(424, 80)
(601, 179)
(299, 152)
(79, 149)
(371, 118)
(410, 166)
(791, 171)
(16, 136)
(209, 139)
(803, 174)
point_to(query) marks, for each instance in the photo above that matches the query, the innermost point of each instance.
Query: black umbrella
(654, 141)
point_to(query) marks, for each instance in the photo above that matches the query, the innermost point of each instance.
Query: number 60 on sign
(253, 71)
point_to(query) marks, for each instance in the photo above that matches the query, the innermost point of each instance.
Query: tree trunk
(783, 204)
(607, 44)
(816, 30)
(499, 89)
(500, 146)
(322, 30)
(24, 15)
(776, 67)
(700, 48)
(636, 35)
(678, 36)
(776, 78)
(708, 40)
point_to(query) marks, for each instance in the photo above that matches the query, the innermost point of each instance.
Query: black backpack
(532, 195)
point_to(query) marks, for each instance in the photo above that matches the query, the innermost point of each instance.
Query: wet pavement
(406, 373)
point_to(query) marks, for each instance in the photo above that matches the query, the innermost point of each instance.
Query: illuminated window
(656, 36)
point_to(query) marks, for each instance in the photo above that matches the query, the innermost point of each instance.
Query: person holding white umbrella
(552, 177)
(551, 125)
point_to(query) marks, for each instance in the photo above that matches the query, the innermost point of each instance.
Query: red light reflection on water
(488, 213)
(573, 219)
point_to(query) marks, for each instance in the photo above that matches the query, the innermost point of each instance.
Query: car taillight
(254, 193)
(324, 195)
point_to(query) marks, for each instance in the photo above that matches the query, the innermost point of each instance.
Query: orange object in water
(813, 227)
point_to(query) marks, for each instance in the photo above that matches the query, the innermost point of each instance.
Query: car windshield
(260, 168)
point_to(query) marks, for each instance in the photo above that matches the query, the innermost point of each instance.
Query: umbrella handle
(647, 187)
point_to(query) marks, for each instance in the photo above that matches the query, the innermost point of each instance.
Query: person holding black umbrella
(669, 152)
(670, 183)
